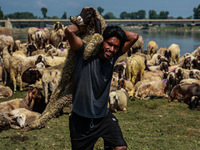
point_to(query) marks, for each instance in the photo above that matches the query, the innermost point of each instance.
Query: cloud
(39, 3)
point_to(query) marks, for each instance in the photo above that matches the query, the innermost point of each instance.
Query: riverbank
(163, 28)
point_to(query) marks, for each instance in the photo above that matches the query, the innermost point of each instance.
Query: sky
(175, 8)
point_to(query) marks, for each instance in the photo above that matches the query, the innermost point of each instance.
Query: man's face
(111, 46)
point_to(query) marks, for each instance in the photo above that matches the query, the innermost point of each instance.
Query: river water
(187, 41)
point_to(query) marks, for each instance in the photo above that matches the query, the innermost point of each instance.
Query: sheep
(56, 37)
(196, 81)
(194, 103)
(139, 44)
(135, 68)
(188, 61)
(162, 50)
(118, 100)
(34, 101)
(63, 52)
(151, 89)
(24, 116)
(120, 68)
(42, 37)
(31, 34)
(16, 65)
(5, 92)
(57, 26)
(6, 41)
(155, 60)
(5, 31)
(194, 73)
(5, 122)
(87, 31)
(50, 80)
(184, 92)
(173, 54)
(128, 86)
(31, 76)
(10, 105)
(196, 52)
(152, 48)
(149, 76)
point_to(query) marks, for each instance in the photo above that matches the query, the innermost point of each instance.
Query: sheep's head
(21, 119)
(89, 19)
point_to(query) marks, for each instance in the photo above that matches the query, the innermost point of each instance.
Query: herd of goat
(154, 73)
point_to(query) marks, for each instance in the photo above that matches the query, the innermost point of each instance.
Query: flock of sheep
(156, 73)
(37, 63)
(45, 63)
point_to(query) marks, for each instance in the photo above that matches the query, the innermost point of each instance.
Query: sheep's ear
(170, 54)
(97, 25)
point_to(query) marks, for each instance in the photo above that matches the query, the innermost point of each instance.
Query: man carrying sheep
(90, 118)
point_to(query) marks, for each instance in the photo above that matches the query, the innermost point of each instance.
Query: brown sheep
(184, 92)
(5, 31)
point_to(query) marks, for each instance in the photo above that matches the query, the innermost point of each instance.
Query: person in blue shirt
(90, 118)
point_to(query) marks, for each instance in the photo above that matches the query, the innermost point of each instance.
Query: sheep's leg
(6, 77)
(141, 74)
(20, 82)
(12, 76)
(128, 73)
(45, 89)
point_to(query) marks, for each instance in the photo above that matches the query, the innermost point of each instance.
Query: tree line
(140, 14)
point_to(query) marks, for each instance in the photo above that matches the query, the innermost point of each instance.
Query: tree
(179, 17)
(1, 14)
(100, 10)
(133, 15)
(109, 15)
(141, 14)
(64, 16)
(163, 15)
(21, 15)
(189, 17)
(152, 14)
(54, 17)
(44, 12)
(196, 12)
(124, 15)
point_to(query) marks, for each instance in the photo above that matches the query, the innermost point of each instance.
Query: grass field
(146, 125)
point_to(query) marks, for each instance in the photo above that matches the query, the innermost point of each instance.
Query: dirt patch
(19, 138)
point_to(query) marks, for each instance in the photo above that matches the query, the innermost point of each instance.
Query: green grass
(146, 125)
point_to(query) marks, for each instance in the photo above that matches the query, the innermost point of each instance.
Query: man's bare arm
(132, 37)
(74, 41)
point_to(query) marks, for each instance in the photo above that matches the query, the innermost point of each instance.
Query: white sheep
(151, 89)
(118, 100)
(5, 92)
(6, 41)
(24, 116)
(174, 51)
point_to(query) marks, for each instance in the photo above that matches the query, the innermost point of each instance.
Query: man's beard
(102, 54)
